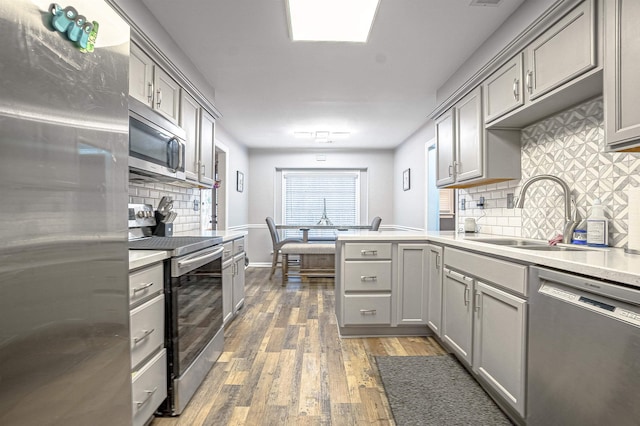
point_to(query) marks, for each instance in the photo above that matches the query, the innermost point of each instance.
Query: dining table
(306, 228)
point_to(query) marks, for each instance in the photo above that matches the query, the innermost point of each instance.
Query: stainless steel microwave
(156, 146)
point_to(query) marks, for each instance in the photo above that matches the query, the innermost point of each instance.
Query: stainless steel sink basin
(510, 242)
(553, 248)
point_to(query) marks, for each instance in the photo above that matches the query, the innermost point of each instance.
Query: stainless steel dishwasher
(584, 351)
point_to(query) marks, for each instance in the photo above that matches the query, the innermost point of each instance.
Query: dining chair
(277, 243)
(375, 223)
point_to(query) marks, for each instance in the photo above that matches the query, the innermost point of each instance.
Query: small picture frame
(239, 181)
(406, 180)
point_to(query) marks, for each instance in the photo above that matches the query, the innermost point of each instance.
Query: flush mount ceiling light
(321, 135)
(331, 20)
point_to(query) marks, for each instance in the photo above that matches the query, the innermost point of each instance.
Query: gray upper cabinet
(190, 122)
(151, 85)
(563, 52)
(467, 154)
(503, 90)
(207, 134)
(445, 148)
(622, 75)
(469, 136)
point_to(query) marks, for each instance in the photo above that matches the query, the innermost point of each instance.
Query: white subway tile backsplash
(569, 145)
(151, 193)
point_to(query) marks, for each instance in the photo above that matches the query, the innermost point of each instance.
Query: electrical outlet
(463, 204)
(480, 203)
(196, 205)
(510, 204)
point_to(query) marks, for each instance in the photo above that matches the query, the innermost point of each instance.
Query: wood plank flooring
(285, 363)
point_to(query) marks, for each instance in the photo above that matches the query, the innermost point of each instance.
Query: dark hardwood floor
(285, 363)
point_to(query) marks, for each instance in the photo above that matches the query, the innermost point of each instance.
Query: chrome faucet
(570, 221)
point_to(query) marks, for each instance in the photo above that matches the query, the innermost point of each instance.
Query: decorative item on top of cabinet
(467, 154)
(151, 85)
(622, 75)
(561, 70)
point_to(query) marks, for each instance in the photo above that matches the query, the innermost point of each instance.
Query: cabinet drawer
(367, 276)
(147, 329)
(512, 276)
(149, 388)
(227, 252)
(367, 251)
(238, 246)
(370, 309)
(145, 282)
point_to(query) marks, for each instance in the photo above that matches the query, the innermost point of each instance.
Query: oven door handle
(211, 255)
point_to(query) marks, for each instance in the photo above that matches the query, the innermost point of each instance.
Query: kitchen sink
(553, 248)
(510, 242)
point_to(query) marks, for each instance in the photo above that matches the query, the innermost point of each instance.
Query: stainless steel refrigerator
(64, 321)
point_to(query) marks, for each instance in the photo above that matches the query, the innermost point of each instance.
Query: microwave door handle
(173, 151)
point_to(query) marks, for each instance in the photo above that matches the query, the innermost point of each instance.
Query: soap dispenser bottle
(597, 226)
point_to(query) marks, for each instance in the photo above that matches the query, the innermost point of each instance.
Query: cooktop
(178, 246)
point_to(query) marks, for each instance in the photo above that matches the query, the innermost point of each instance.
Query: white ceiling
(267, 87)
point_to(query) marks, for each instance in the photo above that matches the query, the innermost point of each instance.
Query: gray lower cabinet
(622, 75)
(148, 355)
(413, 278)
(499, 347)
(232, 278)
(484, 311)
(434, 296)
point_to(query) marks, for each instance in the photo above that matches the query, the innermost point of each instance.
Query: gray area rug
(435, 390)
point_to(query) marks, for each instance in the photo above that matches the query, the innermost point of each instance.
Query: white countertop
(140, 258)
(226, 235)
(609, 263)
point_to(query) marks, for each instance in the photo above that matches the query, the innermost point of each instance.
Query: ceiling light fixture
(303, 135)
(322, 135)
(331, 20)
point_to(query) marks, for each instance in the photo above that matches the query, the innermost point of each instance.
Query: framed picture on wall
(406, 180)
(240, 181)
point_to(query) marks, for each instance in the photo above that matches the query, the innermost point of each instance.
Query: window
(306, 193)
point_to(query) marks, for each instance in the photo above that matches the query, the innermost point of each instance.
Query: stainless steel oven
(194, 335)
(156, 146)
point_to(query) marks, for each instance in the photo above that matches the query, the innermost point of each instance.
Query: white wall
(237, 156)
(409, 206)
(262, 184)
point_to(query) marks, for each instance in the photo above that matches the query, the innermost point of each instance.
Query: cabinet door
(469, 136)
(189, 121)
(227, 290)
(167, 95)
(503, 90)
(207, 126)
(500, 342)
(622, 71)
(445, 149)
(413, 278)
(238, 282)
(457, 314)
(563, 52)
(434, 296)
(140, 76)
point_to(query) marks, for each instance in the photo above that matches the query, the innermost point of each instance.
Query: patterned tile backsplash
(184, 200)
(569, 145)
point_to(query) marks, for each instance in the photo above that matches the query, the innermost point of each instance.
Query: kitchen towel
(633, 229)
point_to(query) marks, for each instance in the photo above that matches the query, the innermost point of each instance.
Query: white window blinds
(306, 193)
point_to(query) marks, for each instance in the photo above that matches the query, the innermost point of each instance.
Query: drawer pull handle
(368, 311)
(369, 252)
(143, 287)
(368, 278)
(146, 334)
(147, 398)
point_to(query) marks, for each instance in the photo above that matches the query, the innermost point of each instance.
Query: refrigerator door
(64, 315)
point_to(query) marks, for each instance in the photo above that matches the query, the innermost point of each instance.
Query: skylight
(331, 20)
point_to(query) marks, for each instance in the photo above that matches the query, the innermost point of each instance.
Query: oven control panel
(141, 215)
